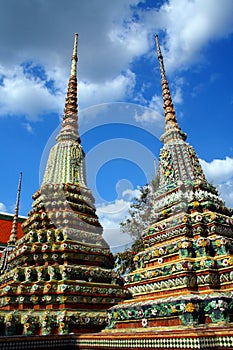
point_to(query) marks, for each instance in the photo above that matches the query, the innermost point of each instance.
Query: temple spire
(160, 58)
(66, 162)
(69, 129)
(172, 128)
(74, 59)
(13, 236)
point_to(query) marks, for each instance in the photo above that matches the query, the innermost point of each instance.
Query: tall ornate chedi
(184, 277)
(61, 276)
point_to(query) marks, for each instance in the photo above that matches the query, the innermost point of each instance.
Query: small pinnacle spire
(172, 129)
(160, 58)
(69, 129)
(73, 70)
(13, 236)
(155, 166)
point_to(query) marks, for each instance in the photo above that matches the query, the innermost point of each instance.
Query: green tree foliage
(124, 262)
(137, 221)
(139, 214)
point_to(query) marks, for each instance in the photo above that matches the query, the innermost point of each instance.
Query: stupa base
(206, 338)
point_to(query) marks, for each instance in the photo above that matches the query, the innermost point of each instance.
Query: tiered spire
(179, 159)
(66, 163)
(69, 129)
(172, 129)
(13, 236)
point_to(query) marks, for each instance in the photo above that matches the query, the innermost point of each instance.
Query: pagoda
(182, 285)
(59, 277)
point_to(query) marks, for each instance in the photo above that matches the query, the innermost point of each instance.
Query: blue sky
(120, 107)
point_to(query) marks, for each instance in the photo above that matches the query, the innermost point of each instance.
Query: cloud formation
(220, 173)
(218, 170)
(111, 214)
(111, 90)
(2, 207)
(21, 94)
(199, 23)
(113, 35)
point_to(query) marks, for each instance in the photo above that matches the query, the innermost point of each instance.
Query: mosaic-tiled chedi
(61, 276)
(185, 274)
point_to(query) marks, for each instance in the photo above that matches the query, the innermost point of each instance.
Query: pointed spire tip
(74, 58)
(13, 236)
(160, 58)
(171, 125)
(70, 116)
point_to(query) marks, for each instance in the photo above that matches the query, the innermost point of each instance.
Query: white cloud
(104, 54)
(198, 23)
(2, 207)
(111, 90)
(115, 210)
(177, 94)
(24, 95)
(111, 36)
(226, 192)
(220, 173)
(117, 240)
(28, 127)
(130, 194)
(112, 214)
(218, 170)
(132, 38)
(156, 103)
(178, 98)
(148, 116)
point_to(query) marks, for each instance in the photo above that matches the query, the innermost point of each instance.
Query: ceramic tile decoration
(59, 280)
